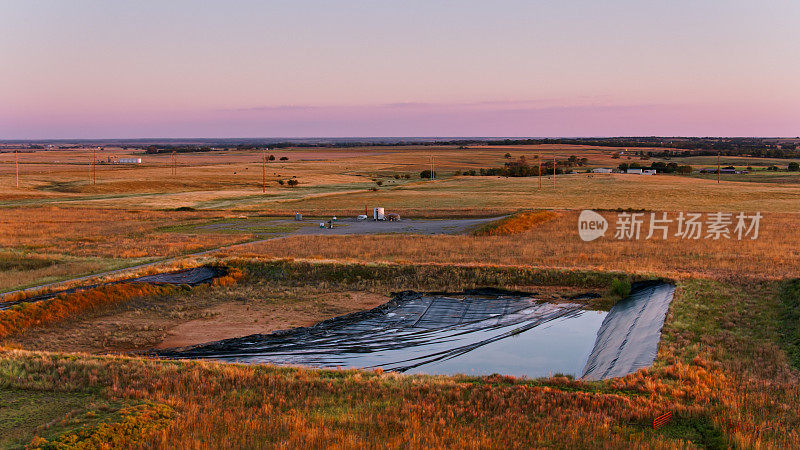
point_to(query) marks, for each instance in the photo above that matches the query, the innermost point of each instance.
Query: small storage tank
(378, 214)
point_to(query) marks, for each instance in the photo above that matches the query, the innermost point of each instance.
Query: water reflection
(478, 332)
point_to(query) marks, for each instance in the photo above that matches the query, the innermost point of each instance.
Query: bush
(379, 183)
(272, 157)
(790, 318)
(284, 158)
(280, 182)
(426, 174)
(794, 167)
(620, 288)
(292, 183)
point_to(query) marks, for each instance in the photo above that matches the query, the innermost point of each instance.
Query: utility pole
(554, 171)
(93, 171)
(540, 171)
(718, 168)
(174, 170)
(433, 174)
(264, 171)
(16, 163)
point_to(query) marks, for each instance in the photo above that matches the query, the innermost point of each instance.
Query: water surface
(477, 332)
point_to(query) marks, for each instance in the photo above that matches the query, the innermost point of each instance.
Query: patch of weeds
(790, 320)
(135, 423)
(699, 430)
(620, 288)
(13, 261)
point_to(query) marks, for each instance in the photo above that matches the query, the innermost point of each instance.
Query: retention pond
(477, 332)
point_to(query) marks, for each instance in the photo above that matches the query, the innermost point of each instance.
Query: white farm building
(128, 161)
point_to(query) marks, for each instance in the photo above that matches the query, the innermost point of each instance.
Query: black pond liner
(191, 277)
(418, 332)
(411, 330)
(628, 339)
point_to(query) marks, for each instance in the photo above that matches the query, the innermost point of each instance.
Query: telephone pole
(264, 171)
(16, 163)
(554, 171)
(93, 168)
(433, 174)
(540, 171)
(718, 168)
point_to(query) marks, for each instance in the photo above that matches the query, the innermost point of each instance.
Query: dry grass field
(556, 243)
(720, 370)
(339, 181)
(727, 364)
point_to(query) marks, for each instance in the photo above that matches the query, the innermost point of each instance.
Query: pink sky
(94, 69)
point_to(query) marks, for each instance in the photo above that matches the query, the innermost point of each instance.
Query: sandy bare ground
(239, 319)
(194, 319)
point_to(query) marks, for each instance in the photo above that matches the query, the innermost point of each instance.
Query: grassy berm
(722, 369)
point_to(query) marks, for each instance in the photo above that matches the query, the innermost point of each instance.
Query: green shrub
(620, 287)
(790, 319)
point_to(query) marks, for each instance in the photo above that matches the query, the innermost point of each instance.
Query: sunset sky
(295, 68)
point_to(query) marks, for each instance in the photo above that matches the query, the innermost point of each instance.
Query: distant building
(649, 172)
(635, 171)
(128, 161)
(602, 170)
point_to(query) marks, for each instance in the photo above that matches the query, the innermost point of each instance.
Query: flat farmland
(343, 181)
(139, 213)
(724, 367)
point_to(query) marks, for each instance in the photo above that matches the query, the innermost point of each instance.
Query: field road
(308, 227)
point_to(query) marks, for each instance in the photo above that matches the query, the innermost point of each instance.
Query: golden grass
(515, 224)
(232, 180)
(64, 306)
(719, 369)
(497, 195)
(105, 233)
(556, 243)
(245, 406)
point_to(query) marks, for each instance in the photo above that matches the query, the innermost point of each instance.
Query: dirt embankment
(236, 319)
(194, 319)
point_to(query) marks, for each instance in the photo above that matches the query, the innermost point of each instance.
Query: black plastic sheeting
(191, 277)
(419, 331)
(628, 339)
(411, 330)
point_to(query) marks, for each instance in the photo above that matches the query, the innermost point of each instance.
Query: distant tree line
(522, 167)
(659, 167)
(156, 149)
(688, 146)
